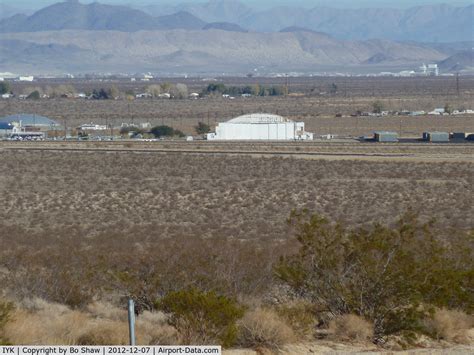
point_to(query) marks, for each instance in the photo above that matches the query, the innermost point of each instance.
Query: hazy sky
(35, 4)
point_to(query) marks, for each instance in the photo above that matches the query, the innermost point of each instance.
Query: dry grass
(452, 325)
(300, 315)
(350, 327)
(153, 329)
(49, 324)
(37, 322)
(264, 328)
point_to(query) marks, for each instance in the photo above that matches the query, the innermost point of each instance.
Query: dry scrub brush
(74, 272)
(451, 325)
(84, 195)
(107, 226)
(350, 327)
(264, 328)
(300, 315)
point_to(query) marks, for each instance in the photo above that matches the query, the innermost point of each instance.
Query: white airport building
(430, 69)
(260, 126)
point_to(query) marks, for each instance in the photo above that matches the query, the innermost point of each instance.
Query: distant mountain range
(200, 51)
(430, 23)
(435, 23)
(227, 36)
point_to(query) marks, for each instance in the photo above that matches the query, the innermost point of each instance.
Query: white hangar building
(260, 126)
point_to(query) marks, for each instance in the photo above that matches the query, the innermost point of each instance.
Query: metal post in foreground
(131, 321)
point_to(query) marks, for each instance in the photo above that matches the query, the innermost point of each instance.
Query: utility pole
(131, 321)
(129, 112)
(457, 83)
(400, 133)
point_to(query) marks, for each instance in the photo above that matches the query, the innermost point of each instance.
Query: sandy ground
(339, 348)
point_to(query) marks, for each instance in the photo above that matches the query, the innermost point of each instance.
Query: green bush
(377, 107)
(203, 317)
(4, 87)
(101, 94)
(202, 128)
(35, 95)
(166, 131)
(448, 108)
(391, 276)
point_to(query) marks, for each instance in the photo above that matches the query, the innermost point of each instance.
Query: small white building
(92, 127)
(145, 95)
(430, 69)
(144, 125)
(20, 133)
(26, 78)
(260, 126)
(437, 111)
(433, 69)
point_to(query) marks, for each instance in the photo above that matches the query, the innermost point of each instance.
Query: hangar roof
(259, 118)
(29, 120)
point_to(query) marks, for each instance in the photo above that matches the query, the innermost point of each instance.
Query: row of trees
(255, 90)
(37, 91)
(178, 91)
(164, 131)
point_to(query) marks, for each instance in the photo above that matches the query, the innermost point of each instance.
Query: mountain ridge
(198, 51)
(122, 38)
(96, 16)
